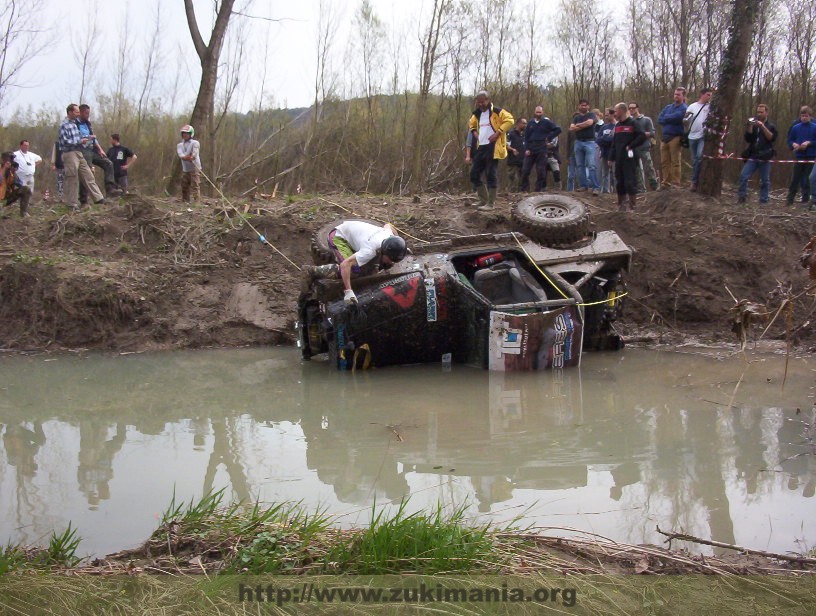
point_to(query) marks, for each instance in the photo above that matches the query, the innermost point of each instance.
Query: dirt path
(151, 274)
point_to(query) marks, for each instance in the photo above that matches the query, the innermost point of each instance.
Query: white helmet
(188, 129)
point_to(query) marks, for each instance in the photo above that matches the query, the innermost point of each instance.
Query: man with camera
(71, 145)
(760, 135)
(694, 127)
(11, 186)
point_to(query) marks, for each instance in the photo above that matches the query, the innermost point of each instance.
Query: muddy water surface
(713, 446)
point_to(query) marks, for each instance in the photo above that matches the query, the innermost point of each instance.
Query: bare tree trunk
(21, 40)
(151, 68)
(430, 53)
(744, 16)
(86, 52)
(208, 55)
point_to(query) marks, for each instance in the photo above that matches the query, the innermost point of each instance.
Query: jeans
(646, 169)
(571, 172)
(607, 174)
(801, 174)
(752, 166)
(813, 184)
(696, 148)
(586, 160)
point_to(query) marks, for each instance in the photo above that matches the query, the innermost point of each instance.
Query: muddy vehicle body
(499, 301)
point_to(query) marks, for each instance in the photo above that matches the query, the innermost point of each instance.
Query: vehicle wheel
(321, 253)
(553, 220)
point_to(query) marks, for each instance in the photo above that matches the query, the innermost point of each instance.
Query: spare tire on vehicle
(552, 220)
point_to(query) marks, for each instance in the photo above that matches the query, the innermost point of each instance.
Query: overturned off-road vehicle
(527, 300)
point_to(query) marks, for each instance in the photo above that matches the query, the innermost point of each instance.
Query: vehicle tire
(321, 252)
(552, 220)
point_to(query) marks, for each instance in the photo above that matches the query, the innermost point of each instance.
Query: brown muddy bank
(150, 274)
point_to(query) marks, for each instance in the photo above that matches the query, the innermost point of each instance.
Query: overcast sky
(52, 78)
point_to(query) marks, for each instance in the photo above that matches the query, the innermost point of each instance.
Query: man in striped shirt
(71, 143)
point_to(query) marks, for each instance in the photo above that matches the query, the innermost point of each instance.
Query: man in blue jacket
(671, 121)
(802, 141)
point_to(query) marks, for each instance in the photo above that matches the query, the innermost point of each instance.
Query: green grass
(61, 550)
(31, 259)
(59, 554)
(424, 543)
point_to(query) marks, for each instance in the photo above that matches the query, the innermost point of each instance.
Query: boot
(483, 196)
(491, 199)
(632, 202)
(621, 204)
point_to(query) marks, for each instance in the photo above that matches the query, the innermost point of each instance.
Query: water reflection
(630, 441)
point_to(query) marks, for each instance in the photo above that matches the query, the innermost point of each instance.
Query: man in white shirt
(694, 125)
(355, 244)
(27, 161)
(367, 241)
(188, 151)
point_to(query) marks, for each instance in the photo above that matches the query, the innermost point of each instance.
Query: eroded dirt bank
(148, 274)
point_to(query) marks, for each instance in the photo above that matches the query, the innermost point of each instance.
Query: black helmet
(394, 248)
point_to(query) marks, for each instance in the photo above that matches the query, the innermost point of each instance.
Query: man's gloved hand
(349, 297)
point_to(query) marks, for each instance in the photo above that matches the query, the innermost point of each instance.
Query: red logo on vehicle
(407, 294)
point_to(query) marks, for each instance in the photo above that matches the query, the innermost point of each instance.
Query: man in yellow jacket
(489, 125)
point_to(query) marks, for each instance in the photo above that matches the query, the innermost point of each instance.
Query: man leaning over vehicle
(355, 243)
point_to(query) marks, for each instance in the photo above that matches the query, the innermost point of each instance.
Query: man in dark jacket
(540, 130)
(515, 153)
(760, 135)
(628, 136)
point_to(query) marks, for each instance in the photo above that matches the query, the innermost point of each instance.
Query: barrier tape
(733, 157)
(721, 155)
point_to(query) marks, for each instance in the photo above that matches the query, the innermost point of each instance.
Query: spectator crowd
(611, 150)
(75, 153)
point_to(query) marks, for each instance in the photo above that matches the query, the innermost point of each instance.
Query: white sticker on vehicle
(430, 299)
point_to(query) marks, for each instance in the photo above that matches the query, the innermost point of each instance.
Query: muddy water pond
(709, 444)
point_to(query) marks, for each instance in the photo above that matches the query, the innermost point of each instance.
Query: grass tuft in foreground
(424, 543)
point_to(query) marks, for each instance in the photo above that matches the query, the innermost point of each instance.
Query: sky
(282, 50)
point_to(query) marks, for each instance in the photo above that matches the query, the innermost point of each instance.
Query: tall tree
(21, 40)
(430, 52)
(208, 55)
(744, 18)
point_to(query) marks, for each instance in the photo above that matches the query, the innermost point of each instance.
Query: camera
(751, 121)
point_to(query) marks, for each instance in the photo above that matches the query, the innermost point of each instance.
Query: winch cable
(557, 288)
(260, 235)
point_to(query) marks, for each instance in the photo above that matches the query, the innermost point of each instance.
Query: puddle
(714, 447)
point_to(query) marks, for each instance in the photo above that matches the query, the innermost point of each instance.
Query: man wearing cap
(188, 152)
